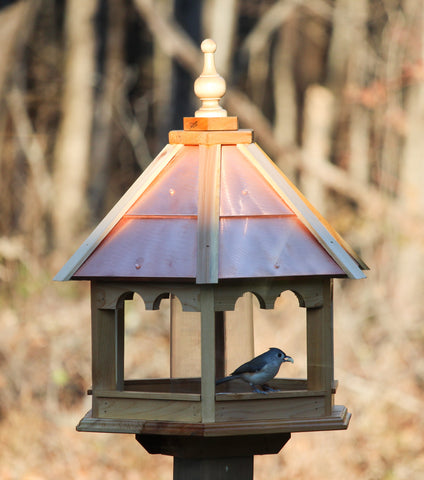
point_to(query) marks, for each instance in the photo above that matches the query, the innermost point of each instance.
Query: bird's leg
(267, 388)
(256, 389)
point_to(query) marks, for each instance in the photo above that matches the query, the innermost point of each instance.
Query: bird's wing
(254, 365)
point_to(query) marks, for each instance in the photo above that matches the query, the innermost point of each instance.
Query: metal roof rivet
(171, 191)
(277, 265)
(245, 191)
(137, 266)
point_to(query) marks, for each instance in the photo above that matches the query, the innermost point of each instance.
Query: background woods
(334, 90)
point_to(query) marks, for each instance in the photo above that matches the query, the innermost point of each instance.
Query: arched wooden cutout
(107, 295)
(308, 292)
(158, 299)
(123, 297)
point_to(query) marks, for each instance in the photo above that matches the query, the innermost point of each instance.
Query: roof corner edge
(334, 245)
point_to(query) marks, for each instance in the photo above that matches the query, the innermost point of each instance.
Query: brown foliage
(334, 91)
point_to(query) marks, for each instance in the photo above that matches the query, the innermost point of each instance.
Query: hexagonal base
(338, 420)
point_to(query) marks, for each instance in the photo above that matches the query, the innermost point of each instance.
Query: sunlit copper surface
(243, 190)
(175, 190)
(259, 235)
(270, 247)
(145, 247)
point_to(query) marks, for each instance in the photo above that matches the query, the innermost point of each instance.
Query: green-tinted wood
(208, 354)
(320, 355)
(308, 291)
(120, 346)
(103, 330)
(338, 420)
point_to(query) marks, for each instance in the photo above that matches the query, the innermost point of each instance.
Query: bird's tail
(226, 379)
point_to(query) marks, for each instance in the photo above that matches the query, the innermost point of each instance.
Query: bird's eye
(279, 355)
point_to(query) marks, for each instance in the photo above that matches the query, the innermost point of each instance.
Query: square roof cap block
(212, 206)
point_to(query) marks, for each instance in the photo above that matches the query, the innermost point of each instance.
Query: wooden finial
(210, 86)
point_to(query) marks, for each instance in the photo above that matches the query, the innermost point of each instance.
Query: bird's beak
(288, 359)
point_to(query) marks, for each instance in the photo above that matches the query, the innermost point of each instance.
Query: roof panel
(260, 235)
(271, 247)
(145, 247)
(244, 191)
(306, 213)
(175, 190)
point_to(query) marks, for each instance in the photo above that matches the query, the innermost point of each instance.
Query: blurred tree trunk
(391, 71)
(317, 132)
(16, 25)
(411, 191)
(357, 72)
(110, 62)
(188, 15)
(341, 37)
(221, 29)
(162, 71)
(13, 19)
(285, 124)
(351, 67)
(73, 143)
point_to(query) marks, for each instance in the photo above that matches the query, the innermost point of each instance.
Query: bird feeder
(210, 219)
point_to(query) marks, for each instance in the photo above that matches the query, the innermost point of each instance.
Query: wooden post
(231, 468)
(219, 344)
(103, 345)
(120, 345)
(207, 354)
(320, 344)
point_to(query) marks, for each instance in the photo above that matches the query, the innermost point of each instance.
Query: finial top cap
(208, 46)
(210, 86)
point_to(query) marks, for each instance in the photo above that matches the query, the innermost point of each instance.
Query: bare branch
(30, 146)
(15, 24)
(171, 37)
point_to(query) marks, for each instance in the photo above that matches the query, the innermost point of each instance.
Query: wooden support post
(207, 354)
(120, 346)
(320, 344)
(103, 345)
(231, 468)
(219, 344)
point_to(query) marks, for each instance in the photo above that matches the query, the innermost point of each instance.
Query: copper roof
(212, 206)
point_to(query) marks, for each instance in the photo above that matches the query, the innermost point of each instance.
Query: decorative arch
(124, 296)
(157, 301)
